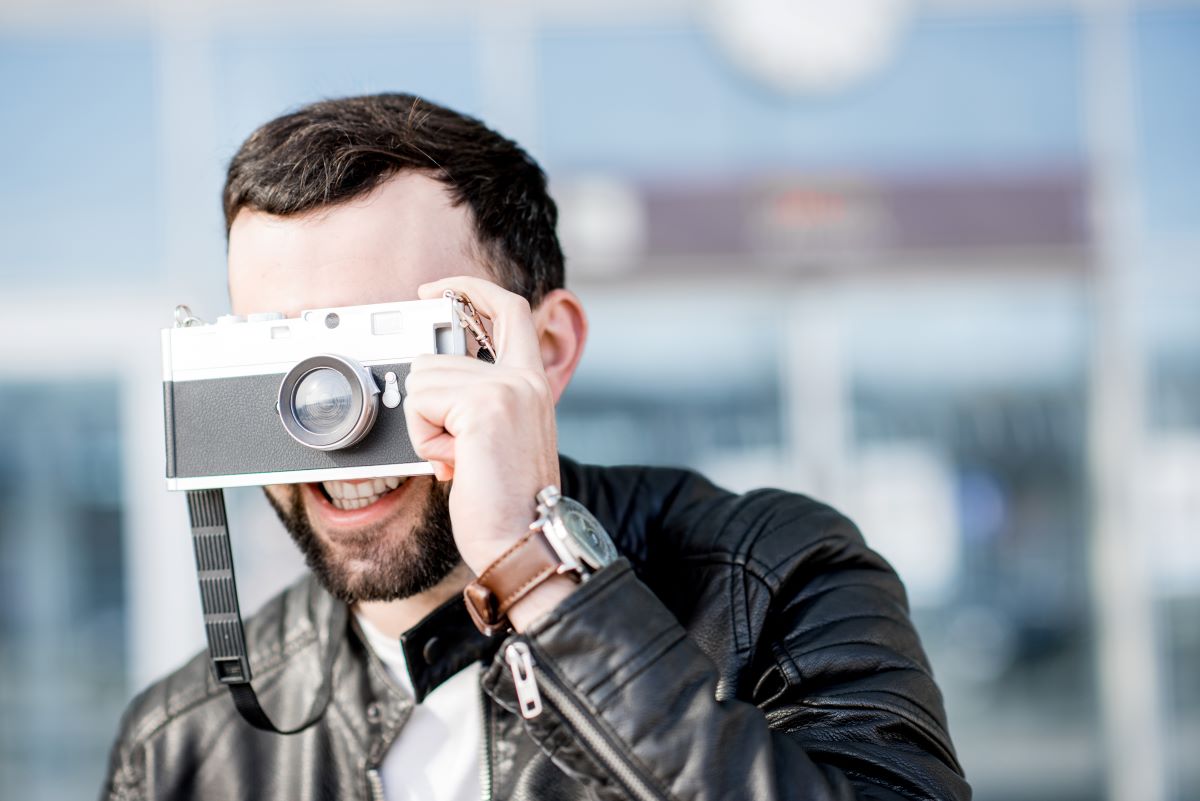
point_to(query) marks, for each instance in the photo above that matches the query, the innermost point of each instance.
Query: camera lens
(323, 401)
(328, 402)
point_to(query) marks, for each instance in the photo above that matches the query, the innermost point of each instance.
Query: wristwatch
(565, 539)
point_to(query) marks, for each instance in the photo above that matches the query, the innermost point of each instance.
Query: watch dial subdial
(595, 547)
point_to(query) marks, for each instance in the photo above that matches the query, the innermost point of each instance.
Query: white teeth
(353, 503)
(355, 495)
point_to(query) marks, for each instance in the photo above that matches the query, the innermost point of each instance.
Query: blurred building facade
(947, 282)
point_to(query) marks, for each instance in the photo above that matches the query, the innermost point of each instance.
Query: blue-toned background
(957, 296)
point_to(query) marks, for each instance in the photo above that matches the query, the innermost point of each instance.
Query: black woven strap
(223, 616)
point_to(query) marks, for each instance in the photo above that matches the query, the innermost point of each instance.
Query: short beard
(417, 563)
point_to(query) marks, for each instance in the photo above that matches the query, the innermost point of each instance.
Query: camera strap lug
(223, 618)
(184, 317)
(468, 318)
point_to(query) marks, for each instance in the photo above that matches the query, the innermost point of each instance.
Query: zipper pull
(520, 662)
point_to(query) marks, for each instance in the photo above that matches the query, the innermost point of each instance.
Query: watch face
(586, 537)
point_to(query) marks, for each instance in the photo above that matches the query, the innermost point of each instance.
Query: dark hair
(337, 150)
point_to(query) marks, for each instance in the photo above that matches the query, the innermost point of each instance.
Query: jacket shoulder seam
(177, 705)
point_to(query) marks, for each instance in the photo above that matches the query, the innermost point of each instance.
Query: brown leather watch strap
(517, 571)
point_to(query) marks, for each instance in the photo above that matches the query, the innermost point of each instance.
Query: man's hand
(490, 427)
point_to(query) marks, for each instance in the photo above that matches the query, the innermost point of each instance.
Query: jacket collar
(370, 700)
(442, 644)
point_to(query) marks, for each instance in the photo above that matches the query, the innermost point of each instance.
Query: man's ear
(562, 331)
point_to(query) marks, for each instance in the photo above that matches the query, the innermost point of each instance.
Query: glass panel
(979, 500)
(1171, 492)
(963, 462)
(670, 383)
(62, 587)
(78, 209)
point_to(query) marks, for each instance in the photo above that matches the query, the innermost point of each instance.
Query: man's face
(371, 250)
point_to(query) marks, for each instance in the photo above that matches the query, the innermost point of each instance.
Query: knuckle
(505, 395)
(508, 398)
(518, 303)
(537, 381)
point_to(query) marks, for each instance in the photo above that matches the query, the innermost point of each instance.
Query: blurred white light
(602, 225)
(1171, 499)
(808, 45)
(647, 343)
(902, 497)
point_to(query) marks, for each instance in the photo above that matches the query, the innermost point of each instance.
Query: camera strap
(223, 616)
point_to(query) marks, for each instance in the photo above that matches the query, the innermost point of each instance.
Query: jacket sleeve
(839, 702)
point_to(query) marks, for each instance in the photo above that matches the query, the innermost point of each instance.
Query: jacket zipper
(525, 671)
(485, 769)
(375, 783)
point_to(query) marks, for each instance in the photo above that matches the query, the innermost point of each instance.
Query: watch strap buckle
(518, 571)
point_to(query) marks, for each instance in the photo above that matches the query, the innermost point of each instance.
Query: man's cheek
(286, 500)
(279, 493)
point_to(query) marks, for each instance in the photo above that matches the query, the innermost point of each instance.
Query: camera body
(281, 400)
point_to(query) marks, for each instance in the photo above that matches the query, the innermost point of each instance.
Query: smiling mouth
(347, 495)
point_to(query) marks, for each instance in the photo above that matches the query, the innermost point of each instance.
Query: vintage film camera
(275, 400)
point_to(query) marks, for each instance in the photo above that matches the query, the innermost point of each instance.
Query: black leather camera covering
(229, 426)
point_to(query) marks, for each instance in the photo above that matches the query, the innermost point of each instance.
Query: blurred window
(62, 587)
(962, 458)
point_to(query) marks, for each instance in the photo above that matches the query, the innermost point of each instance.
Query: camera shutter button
(391, 391)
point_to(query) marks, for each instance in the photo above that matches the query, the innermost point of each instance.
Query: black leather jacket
(745, 647)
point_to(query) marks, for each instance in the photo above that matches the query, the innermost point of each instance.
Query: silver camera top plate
(272, 343)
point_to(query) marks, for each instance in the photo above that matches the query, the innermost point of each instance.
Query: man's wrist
(519, 574)
(540, 601)
(560, 549)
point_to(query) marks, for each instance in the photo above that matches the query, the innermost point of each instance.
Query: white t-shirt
(436, 755)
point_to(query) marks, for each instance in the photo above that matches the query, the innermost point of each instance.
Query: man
(742, 647)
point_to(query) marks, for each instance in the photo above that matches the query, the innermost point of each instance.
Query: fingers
(465, 372)
(447, 397)
(465, 365)
(429, 437)
(425, 417)
(515, 337)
